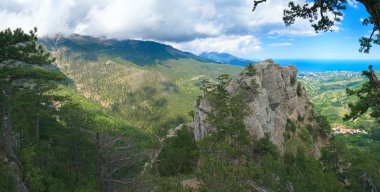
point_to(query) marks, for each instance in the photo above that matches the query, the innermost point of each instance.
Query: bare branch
(119, 181)
(127, 182)
(118, 168)
(256, 3)
(126, 147)
(372, 77)
(127, 158)
(365, 42)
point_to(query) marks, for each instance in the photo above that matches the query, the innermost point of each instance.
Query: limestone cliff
(275, 101)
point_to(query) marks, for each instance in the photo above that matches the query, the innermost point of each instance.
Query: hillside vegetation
(229, 159)
(327, 91)
(155, 95)
(98, 120)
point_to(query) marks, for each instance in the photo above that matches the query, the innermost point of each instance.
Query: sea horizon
(325, 65)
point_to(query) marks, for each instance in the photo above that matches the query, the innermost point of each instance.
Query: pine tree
(25, 69)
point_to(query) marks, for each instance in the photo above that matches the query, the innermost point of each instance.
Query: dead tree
(117, 159)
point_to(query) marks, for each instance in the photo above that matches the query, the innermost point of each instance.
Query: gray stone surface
(274, 102)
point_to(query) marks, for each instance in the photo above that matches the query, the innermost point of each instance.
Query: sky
(195, 25)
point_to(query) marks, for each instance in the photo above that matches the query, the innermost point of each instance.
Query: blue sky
(340, 44)
(194, 25)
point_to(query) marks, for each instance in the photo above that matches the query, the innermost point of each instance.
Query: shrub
(198, 100)
(179, 154)
(290, 126)
(305, 136)
(223, 78)
(254, 85)
(266, 147)
(287, 135)
(324, 126)
(191, 114)
(269, 60)
(251, 70)
(300, 118)
(375, 133)
(7, 183)
(299, 89)
(293, 80)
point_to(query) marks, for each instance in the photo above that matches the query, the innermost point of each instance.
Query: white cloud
(169, 20)
(268, 19)
(284, 44)
(353, 3)
(194, 25)
(208, 28)
(238, 45)
(50, 17)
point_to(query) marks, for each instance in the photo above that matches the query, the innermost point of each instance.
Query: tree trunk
(373, 8)
(100, 164)
(74, 152)
(8, 141)
(38, 126)
(373, 80)
(3, 127)
(8, 128)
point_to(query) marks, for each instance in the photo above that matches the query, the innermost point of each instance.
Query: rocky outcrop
(367, 181)
(274, 98)
(201, 125)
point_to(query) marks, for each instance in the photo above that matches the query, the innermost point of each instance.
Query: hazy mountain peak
(225, 58)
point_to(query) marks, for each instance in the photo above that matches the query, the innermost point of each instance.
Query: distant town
(329, 75)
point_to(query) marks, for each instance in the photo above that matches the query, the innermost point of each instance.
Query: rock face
(278, 99)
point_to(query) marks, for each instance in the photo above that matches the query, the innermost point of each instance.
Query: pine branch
(256, 3)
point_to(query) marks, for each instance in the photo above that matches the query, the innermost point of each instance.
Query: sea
(323, 65)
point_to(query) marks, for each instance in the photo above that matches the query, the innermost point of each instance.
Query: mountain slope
(225, 58)
(139, 52)
(121, 76)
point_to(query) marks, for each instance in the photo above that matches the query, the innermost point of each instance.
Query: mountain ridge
(140, 52)
(225, 58)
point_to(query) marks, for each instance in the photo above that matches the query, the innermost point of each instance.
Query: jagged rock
(368, 182)
(272, 99)
(201, 126)
(17, 173)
